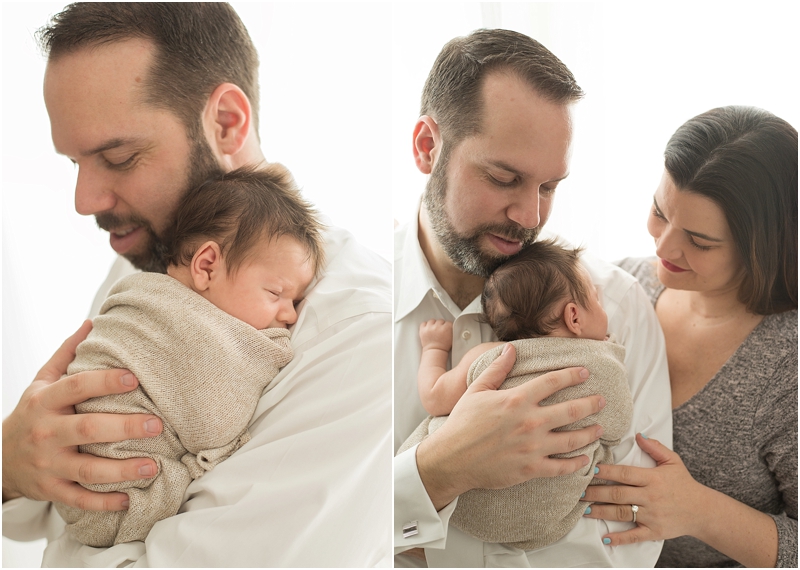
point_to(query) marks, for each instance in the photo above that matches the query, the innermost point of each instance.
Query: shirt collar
(415, 280)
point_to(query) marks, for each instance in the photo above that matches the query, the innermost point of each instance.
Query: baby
(544, 302)
(203, 340)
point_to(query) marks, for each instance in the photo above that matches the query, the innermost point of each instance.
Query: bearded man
(148, 100)
(494, 135)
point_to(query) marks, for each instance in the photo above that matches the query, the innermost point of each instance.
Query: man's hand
(41, 436)
(497, 438)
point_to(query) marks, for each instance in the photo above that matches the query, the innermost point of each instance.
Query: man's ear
(206, 266)
(227, 120)
(427, 143)
(573, 318)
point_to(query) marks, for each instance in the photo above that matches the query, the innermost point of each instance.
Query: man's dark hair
(452, 93)
(525, 297)
(241, 209)
(198, 46)
(745, 160)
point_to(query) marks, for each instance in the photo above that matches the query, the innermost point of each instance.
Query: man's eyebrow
(690, 232)
(109, 145)
(512, 170)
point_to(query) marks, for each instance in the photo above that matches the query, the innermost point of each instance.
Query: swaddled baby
(204, 340)
(544, 303)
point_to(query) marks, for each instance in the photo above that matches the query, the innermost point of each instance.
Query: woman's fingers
(636, 476)
(621, 513)
(657, 450)
(638, 534)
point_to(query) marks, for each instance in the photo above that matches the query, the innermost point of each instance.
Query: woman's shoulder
(644, 269)
(776, 336)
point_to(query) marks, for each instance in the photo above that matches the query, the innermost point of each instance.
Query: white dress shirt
(313, 486)
(419, 297)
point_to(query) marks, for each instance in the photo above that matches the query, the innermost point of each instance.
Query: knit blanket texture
(540, 511)
(200, 370)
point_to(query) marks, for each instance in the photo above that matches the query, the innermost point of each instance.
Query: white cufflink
(410, 529)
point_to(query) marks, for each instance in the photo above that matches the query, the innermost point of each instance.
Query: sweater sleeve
(776, 426)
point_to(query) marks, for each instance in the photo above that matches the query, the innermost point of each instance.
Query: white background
(340, 90)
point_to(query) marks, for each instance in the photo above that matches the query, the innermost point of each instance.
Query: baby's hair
(524, 297)
(238, 209)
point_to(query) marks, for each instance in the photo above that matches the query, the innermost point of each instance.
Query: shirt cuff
(413, 510)
(25, 520)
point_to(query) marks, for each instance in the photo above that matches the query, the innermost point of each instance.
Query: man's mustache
(110, 222)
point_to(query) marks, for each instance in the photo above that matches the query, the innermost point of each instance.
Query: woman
(724, 286)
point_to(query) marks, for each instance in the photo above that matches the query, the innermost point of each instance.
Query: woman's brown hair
(745, 160)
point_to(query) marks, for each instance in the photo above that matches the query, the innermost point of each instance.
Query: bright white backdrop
(340, 95)
(325, 110)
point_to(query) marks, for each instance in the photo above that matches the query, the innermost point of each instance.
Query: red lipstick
(673, 268)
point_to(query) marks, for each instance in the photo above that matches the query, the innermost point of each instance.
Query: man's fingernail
(596, 470)
(583, 494)
(128, 379)
(599, 431)
(147, 470)
(587, 511)
(126, 503)
(606, 541)
(601, 402)
(644, 436)
(584, 374)
(505, 349)
(152, 426)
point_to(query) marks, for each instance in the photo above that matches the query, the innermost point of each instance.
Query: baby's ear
(572, 318)
(206, 266)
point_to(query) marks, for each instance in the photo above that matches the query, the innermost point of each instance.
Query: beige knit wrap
(200, 370)
(540, 511)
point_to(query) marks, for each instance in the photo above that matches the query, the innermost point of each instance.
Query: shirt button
(436, 295)
(465, 335)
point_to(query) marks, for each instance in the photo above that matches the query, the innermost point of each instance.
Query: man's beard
(464, 250)
(202, 166)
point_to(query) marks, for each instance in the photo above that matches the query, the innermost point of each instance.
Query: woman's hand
(667, 496)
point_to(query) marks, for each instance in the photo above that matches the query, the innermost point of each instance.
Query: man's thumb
(496, 372)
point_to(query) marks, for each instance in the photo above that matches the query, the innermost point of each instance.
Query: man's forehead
(92, 94)
(112, 70)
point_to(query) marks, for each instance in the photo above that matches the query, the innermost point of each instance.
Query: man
(494, 136)
(147, 100)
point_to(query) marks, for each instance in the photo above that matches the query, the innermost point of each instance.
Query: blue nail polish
(644, 436)
(587, 511)
(583, 494)
(606, 541)
(596, 470)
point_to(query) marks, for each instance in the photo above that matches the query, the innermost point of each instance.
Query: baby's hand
(436, 334)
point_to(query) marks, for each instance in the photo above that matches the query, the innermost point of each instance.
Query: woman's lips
(505, 246)
(673, 268)
(123, 240)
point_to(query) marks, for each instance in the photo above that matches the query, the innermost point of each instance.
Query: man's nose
(92, 194)
(524, 210)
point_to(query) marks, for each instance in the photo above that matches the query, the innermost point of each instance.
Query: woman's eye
(658, 214)
(698, 246)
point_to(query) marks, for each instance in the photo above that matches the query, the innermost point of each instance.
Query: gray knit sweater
(738, 434)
